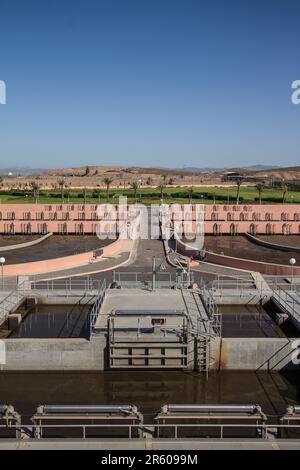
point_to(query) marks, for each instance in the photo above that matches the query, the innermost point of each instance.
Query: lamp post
(292, 263)
(2, 261)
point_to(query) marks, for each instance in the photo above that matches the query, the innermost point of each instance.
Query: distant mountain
(20, 171)
(248, 168)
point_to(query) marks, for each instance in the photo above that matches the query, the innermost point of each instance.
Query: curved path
(18, 246)
(272, 246)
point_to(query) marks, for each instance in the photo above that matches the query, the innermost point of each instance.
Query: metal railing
(67, 285)
(213, 311)
(142, 278)
(12, 300)
(222, 431)
(288, 302)
(275, 283)
(97, 305)
(238, 284)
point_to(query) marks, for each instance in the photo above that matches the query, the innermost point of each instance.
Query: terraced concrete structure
(219, 219)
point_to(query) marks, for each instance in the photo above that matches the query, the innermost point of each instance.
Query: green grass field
(209, 195)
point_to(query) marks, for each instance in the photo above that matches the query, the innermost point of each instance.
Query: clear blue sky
(149, 82)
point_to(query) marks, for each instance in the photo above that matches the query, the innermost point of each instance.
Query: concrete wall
(242, 296)
(26, 244)
(80, 354)
(54, 354)
(66, 262)
(238, 263)
(57, 218)
(251, 265)
(219, 218)
(257, 354)
(273, 246)
(239, 219)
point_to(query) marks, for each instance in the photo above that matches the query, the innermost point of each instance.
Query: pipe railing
(261, 431)
(288, 302)
(67, 285)
(213, 311)
(97, 305)
(12, 300)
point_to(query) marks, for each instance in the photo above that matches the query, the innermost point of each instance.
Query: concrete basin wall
(53, 354)
(57, 264)
(26, 244)
(258, 354)
(80, 354)
(272, 246)
(238, 263)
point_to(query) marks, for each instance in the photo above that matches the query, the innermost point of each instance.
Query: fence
(213, 311)
(97, 305)
(174, 430)
(68, 285)
(9, 302)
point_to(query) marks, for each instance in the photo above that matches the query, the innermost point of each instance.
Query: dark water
(253, 321)
(288, 240)
(6, 240)
(149, 389)
(55, 247)
(55, 321)
(241, 247)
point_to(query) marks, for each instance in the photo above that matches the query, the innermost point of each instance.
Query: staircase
(200, 328)
(202, 353)
(289, 301)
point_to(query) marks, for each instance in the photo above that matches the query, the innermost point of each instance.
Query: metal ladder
(203, 353)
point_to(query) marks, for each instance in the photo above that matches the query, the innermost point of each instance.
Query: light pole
(292, 263)
(2, 261)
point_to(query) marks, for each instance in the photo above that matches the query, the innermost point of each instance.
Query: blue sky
(149, 82)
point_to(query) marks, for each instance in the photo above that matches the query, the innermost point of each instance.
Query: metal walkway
(289, 301)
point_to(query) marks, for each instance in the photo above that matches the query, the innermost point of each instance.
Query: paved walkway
(150, 444)
(105, 264)
(218, 270)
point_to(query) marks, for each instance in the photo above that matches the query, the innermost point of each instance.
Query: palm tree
(135, 186)
(35, 190)
(107, 182)
(161, 188)
(191, 190)
(84, 195)
(61, 183)
(260, 187)
(239, 182)
(284, 190)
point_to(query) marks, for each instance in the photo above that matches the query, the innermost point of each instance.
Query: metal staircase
(200, 329)
(203, 353)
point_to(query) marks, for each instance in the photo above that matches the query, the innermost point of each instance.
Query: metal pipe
(293, 410)
(211, 409)
(87, 409)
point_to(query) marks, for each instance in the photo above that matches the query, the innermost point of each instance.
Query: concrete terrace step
(105, 264)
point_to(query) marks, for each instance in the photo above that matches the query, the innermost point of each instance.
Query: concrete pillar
(14, 320)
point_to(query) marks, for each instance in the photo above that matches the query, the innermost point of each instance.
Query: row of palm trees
(260, 187)
(34, 186)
